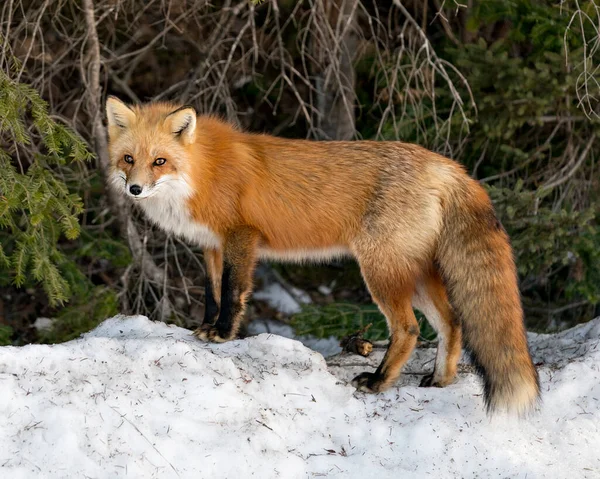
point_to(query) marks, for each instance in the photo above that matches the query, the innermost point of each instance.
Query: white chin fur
(165, 204)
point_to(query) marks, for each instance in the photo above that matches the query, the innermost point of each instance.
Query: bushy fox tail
(476, 262)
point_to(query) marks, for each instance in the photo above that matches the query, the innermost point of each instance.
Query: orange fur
(420, 228)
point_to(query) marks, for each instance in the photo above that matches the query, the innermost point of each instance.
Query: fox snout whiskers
(138, 192)
(118, 180)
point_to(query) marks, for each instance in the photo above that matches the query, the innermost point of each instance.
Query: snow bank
(140, 399)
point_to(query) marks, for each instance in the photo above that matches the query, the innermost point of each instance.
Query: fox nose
(135, 189)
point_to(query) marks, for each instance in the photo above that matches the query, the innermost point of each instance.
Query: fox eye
(159, 162)
(128, 159)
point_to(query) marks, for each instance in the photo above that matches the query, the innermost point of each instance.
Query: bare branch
(119, 206)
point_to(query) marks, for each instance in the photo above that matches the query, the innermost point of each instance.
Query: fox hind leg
(392, 291)
(432, 300)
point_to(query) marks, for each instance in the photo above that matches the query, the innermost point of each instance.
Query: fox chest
(173, 216)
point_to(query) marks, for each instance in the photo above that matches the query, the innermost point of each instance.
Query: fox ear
(183, 123)
(118, 113)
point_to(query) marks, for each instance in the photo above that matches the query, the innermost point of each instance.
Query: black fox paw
(210, 333)
(369, 383)
(428, 382)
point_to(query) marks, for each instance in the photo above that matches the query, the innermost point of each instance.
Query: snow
(277, 297)
(136, 399)
(43, 324)
(326, 346)
(288, 301)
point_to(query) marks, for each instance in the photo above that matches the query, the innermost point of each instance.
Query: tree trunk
(334, 45)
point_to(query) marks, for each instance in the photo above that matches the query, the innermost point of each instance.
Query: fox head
(148, 146)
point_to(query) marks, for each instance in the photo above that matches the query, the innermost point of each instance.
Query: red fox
(423, 232)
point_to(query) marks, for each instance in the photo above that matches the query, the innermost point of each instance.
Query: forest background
(508, 88)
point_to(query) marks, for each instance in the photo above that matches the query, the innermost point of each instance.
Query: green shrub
(530, 132)
(36, 206)
(342, 319)
(5, 335)
(83, 313)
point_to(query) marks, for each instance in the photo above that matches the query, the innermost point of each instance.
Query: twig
(355, 343)
(263, 424)
(559, 310)
(123, 416)
(564, 175)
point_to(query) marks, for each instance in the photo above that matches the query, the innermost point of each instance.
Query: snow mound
(135, 398)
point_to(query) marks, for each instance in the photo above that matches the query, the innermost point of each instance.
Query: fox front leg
(239, 260)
